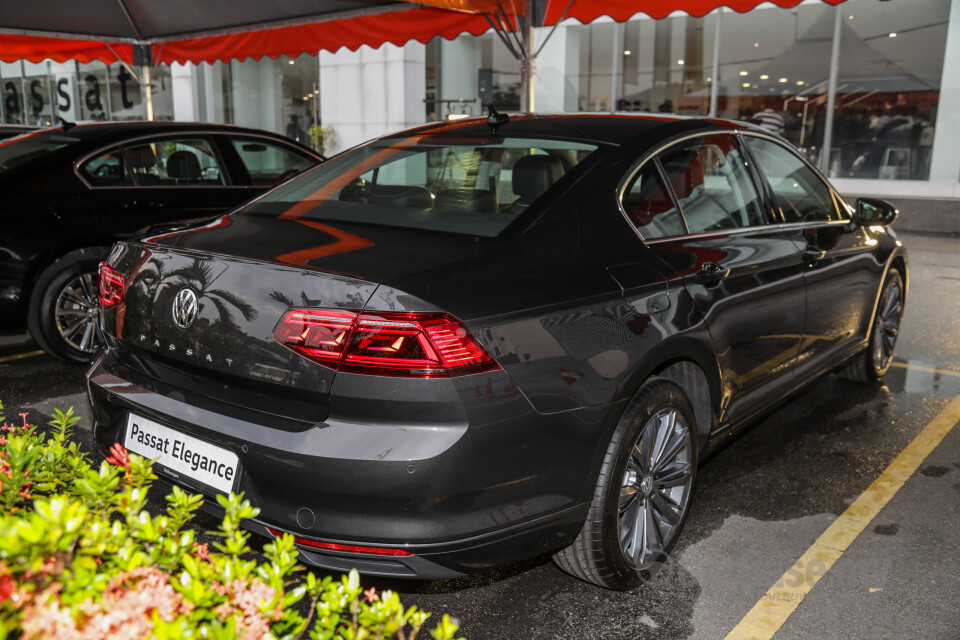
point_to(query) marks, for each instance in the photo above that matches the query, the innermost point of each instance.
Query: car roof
(101, 133)
(609, 128)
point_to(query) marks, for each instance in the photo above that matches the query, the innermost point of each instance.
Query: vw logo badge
(185, 308)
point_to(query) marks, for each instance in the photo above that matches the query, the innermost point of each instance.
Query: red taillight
(111, 286)
(418, 345)
(350, 548)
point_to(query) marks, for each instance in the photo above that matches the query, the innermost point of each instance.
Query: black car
(72, 191)
(470, 343)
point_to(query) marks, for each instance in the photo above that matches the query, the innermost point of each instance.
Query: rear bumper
(484, 481)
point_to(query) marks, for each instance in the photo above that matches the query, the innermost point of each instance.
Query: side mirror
(876, 211)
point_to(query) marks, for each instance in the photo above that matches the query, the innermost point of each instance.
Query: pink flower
(202, 551)
(370, 595)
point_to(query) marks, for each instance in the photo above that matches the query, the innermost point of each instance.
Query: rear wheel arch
(687, 360)
(54, 281)
(690, 377)
(58, 253)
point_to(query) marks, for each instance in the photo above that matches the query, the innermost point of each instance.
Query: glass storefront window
(37, 97)
(11, 80)
(775, 69)
(658, 65)
(888, 88)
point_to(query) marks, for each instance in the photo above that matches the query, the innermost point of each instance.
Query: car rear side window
(173, 162)
(268, 163)
(650, 207)
(710, 180)
(468, 186)
(800, 194)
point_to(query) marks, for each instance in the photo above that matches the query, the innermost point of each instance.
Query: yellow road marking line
(771, 612)
(17, 356)
(918, 367)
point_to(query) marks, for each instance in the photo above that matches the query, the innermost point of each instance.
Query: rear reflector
(111, 286)
(420, 345)
(348, 548)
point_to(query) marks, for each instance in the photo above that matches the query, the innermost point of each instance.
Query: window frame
(756, 182)
(207, 136)
(775, 220)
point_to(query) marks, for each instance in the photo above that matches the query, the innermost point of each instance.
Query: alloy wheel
(76, 313)
(655, 489)
(886, 326)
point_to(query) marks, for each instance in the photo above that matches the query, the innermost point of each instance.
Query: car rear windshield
(16, 151)
(473, 187)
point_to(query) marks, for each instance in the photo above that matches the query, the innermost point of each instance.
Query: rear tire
(643, 492)
(63, 308)
(870, 365)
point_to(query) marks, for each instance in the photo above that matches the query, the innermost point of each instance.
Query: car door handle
(812, 254)
(710, 273)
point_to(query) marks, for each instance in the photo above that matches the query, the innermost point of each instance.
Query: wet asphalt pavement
(758, 505)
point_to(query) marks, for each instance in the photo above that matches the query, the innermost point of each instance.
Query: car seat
(184, 167)
(532, 176)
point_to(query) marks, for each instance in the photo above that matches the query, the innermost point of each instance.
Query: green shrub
(80, 557)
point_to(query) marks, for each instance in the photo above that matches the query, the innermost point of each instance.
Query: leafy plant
(80, 557)
(323, 139)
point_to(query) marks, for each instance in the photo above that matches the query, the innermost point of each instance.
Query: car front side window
(799, 193)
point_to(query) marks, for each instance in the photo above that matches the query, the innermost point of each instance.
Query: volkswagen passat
(470, 343)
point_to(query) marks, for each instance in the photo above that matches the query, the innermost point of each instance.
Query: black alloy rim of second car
(655, 489)
(76, 313)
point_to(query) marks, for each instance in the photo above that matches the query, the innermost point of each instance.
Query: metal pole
(527, 61)
(715, 77)
(147, 92)
(617, 65)
(831, 93)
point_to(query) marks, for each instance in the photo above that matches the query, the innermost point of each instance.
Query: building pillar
(460, 62)
(557, 84)
(257, 96)
(370, 92)
(186, 106)
(945, 159)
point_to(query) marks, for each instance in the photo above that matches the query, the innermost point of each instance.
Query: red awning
(397, 27)
(397, 24)
(38, 49)
(622, 10)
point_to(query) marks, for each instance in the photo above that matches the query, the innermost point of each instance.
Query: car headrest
(467, 200)
(183, 165)
(532, 175)
(141, 157)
